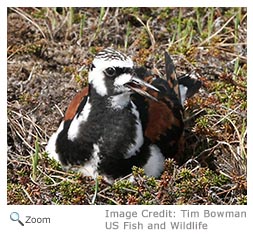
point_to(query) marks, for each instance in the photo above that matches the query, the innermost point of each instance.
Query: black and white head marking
(109, 71)
(109, 54)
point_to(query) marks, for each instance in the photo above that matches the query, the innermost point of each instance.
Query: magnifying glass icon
(14, 216)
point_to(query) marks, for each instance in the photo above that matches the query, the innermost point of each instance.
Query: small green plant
(128, 33)
(210, 21)
(96, 190)
(82, 22)
(71, 14)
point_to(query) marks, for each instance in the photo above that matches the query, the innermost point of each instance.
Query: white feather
(51, 145)
(155, 164)
(75, 124)
(139, 139)
(118, 102)
(183, 90)
(90, 168)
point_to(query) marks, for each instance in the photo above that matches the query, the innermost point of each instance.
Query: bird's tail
(184, 86)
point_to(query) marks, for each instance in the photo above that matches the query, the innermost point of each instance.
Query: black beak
(138, 85)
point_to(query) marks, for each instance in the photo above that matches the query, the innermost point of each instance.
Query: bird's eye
(110, 71)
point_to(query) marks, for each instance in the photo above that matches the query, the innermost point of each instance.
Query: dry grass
(48, 53)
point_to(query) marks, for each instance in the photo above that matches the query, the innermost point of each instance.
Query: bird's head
(112, 73)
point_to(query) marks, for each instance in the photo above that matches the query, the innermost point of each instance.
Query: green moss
(242, 199)
(185, 174)
(40, 13)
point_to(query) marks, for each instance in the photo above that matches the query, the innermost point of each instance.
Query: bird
(126, 116)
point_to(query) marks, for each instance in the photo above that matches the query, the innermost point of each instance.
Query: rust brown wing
(75, 104)
(163, 119)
